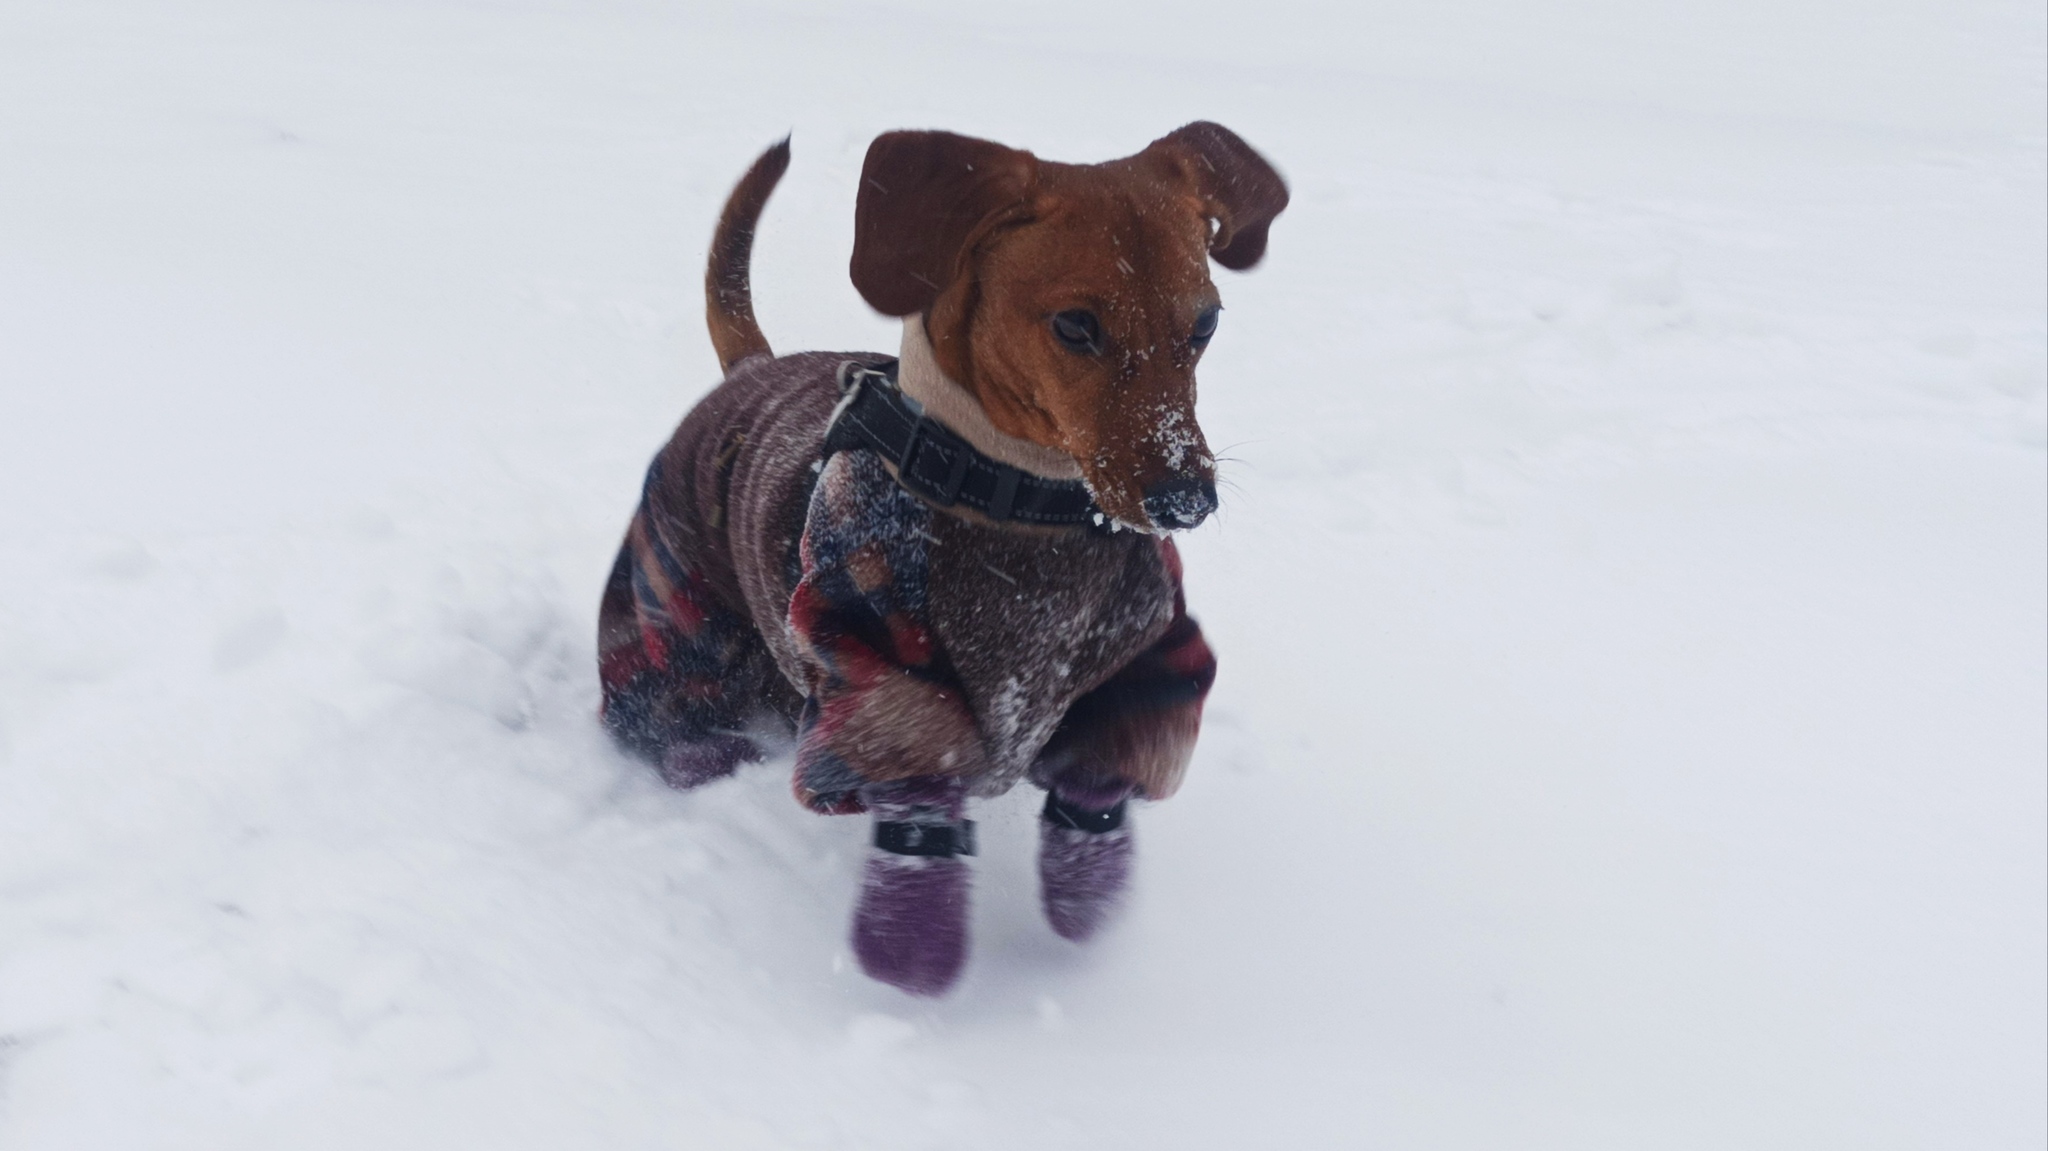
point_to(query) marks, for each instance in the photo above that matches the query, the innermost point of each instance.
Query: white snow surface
(1629, 589)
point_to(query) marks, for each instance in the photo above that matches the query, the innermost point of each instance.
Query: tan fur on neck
(920, 377)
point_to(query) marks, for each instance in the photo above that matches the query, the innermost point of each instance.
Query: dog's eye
(1079, 330)
(1205, 327)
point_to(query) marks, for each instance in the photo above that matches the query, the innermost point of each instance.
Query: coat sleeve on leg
(882, 702)
(675, 665)
(1137, 730)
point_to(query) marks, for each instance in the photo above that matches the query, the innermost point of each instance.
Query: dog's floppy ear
(925, 199)
(1241, 190)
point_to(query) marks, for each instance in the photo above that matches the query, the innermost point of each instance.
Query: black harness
(935, 464)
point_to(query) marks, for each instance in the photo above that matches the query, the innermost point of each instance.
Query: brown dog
(950, 570)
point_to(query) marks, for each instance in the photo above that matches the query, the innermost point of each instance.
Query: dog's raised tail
(728, 294)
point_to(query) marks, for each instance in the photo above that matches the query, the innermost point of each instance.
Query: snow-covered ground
(1630, 589)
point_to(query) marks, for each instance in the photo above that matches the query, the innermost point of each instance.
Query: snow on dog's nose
(1180, 502)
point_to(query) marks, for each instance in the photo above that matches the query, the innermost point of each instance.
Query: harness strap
(934, 463)
(945, 840)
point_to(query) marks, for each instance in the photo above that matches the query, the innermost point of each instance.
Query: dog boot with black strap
(1084, 857)
(910, 929)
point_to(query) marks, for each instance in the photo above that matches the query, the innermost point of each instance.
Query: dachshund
(951, 569)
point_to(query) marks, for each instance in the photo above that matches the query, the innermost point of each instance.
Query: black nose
(1180, 502)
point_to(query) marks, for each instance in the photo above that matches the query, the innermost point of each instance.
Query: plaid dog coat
(901, 641)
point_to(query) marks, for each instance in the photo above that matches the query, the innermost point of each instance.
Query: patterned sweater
(901, 640)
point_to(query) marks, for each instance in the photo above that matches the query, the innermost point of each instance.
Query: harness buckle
(852, 373)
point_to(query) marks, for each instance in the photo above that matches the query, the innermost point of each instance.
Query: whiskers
(1225, 463)
(1226, 482)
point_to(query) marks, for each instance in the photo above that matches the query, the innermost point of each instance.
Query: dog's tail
(728, 296)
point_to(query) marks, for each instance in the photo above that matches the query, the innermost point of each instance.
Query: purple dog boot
(910, 929)
(695, 762)
(1084, 859)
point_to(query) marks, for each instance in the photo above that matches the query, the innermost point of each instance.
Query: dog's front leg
(886, 727)
(910, 929)
(870, 719)
(1132, 735)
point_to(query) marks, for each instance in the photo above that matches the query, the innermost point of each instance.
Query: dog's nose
(1180, 502)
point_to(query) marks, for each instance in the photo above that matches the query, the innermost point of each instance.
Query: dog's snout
(1180, 502)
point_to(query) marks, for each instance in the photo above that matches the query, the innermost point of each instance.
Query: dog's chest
(1032, 622)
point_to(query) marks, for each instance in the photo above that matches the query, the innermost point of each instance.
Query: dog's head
(1072, 300)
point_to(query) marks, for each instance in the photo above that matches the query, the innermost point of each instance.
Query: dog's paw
(696, 762)
(910, 930)
(1084, 864)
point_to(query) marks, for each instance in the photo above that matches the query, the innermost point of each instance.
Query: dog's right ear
(926, 198)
